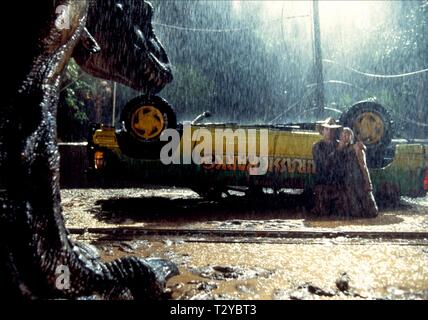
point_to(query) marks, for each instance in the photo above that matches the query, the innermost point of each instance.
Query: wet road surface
(381, 258)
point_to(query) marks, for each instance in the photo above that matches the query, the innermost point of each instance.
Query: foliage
(83, 100)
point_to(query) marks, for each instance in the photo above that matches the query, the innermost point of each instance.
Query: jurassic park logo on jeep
(274, 165)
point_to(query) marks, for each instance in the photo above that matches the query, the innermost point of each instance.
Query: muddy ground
(337, 267)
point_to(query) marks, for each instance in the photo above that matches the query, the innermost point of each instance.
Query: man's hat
(330, 123)
(327, 123)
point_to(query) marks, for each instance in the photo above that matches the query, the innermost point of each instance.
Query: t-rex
(112, 39)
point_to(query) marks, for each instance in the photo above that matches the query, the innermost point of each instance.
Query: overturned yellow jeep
(216, 159)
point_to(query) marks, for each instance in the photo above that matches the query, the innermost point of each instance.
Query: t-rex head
(129, 51)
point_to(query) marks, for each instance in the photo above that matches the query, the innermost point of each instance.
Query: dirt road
(381, 258)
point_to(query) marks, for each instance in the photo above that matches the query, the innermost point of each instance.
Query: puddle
(181, 208)
(291, 271)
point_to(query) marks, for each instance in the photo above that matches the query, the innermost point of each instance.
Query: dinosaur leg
(35, 249)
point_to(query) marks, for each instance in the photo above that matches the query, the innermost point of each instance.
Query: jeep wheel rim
(147, 122)
(369, 128)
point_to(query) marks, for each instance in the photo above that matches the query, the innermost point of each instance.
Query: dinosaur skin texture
(34, 242)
